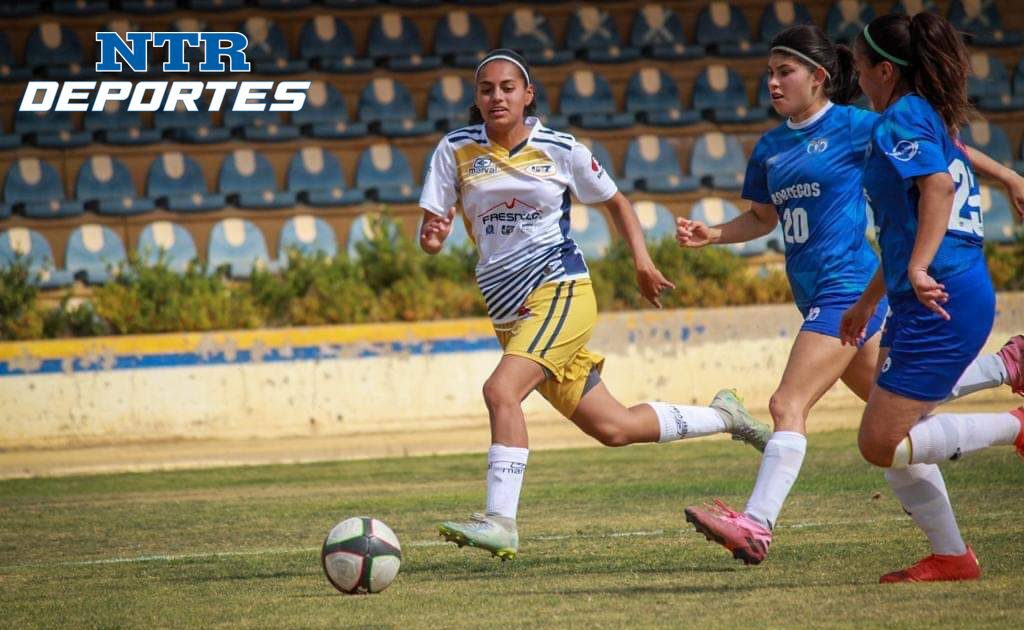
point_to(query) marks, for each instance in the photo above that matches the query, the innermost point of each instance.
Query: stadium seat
(653, 96)
(214, 5)
(989, 138)
(715, 211)
(239, 245)
(460, 39)
(383, 173)
(528, 32)
(997, 216)
(540, 97)
(114, 124)
(658, 32)
(449, 101)
(167, 242)
(722, 29)
(105, 186)
(315, 175)
(780, 15)
(325, 114)
(267, 50)
(913, 7)
(349, 4)
(283, 4)
(326, 44)
(80, 7)
(19, 243)
(34, 189)
(652, 164)
(981, 19)
(20, 8)
(1018, 79)
(247, 179)
(195, 127)
(9, 68)
(148, 7)
(720, 96)
(176, 182)
(54, 50)
(587, 101)
(94, 252)
(847, 19)
(658, 223)
(387, 107)
(265, 126)
(50, 130)
(989, 84)
(308, 235)
(588, 227)
(395, 40)
(718, 161)
(365, 228)
(592, 35)
(599, 152)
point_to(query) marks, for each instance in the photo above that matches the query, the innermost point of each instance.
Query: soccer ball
(361, 555)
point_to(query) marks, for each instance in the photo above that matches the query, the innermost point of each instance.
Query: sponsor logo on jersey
(818, 145)
(541, 170)
(509, 214)
(796, 191)
(483, 166)
(904, 151)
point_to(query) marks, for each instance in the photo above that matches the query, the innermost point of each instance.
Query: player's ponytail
(809, 45)
(844, 87)
(940, 65)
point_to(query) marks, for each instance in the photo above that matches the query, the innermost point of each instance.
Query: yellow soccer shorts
(555, 333)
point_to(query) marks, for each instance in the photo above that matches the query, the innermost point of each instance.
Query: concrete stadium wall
(344, 380)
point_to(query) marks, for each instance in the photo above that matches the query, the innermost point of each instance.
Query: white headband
(488, 60)
(797, 53)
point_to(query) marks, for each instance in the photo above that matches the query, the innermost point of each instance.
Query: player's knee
(884, 451)
(785, 410)
(611, 435)
(498, 394)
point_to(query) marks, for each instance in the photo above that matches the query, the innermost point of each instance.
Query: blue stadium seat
(722, 29)
(982, 20)
(718, 161)
(989, 84)
(176, 182)
(148, 7)
(383, 173)
(247, 179)
(780, 15)
(599, 151)
(308, 235)
(529, 32)
(105, 186)
(315, 175)
(239, 245)
(460, 39)
(114, 124)
(847, 19)
(31, 247)
(658, 223)
(267, 50)
(283, 4)
(365, 228)
(540, 97)
(195, 127)
(715, 211)
(214, 5)
(167, 242)
(326, 43)
(653, 96)
(265, 126)
(998, 216)
(587, 101)
(720, 96)
(9, 68)
(989, 138)
(80, 7)
(588, 227)
(395, 40)
(449, 101)
(325, 114)
(34, 189)
(20, 8)
(913, 7)
(349, 4)
(658, 32)
(54, 50)
(593, 35)
(94, 252)
(50, 130)
(387, 106)
(1018, 79)
(652, 164)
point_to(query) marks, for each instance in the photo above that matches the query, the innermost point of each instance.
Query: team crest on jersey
(904, 151)
(482, 166)
(546, 169)
(818, 145)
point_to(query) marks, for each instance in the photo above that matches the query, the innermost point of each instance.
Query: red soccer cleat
(1012, 354)
(936, 568)
(747, 539)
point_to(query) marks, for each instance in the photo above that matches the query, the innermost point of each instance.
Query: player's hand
(929, 292)
(854, 327)
(652, 284)
(694, 233)
(435, 230)
(1015, 190)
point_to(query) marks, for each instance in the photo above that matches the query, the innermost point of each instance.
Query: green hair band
(878, 49)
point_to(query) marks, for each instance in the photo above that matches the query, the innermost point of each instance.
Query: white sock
(985, 372)
(923, 494)
(946, 436)
(679, 422)
(506, 466)
(783, 456)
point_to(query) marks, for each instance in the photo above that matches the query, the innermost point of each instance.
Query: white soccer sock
(783, 456)
(985, 372)
(946, 436)
(506, 466)
(679, 422)
(921, 491)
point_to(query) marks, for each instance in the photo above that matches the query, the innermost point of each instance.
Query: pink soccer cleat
(1019, 443)
(936, 568)
(1012, 354)
(747, 539)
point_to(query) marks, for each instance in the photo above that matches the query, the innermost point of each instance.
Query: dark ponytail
(810, 41)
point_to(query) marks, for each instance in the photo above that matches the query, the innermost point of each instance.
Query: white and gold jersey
(516, 206)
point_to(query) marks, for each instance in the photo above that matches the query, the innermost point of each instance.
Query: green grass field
(604, 545)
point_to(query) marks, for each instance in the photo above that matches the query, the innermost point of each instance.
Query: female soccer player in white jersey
(513, 179)
(807, 174)
(921, 187)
